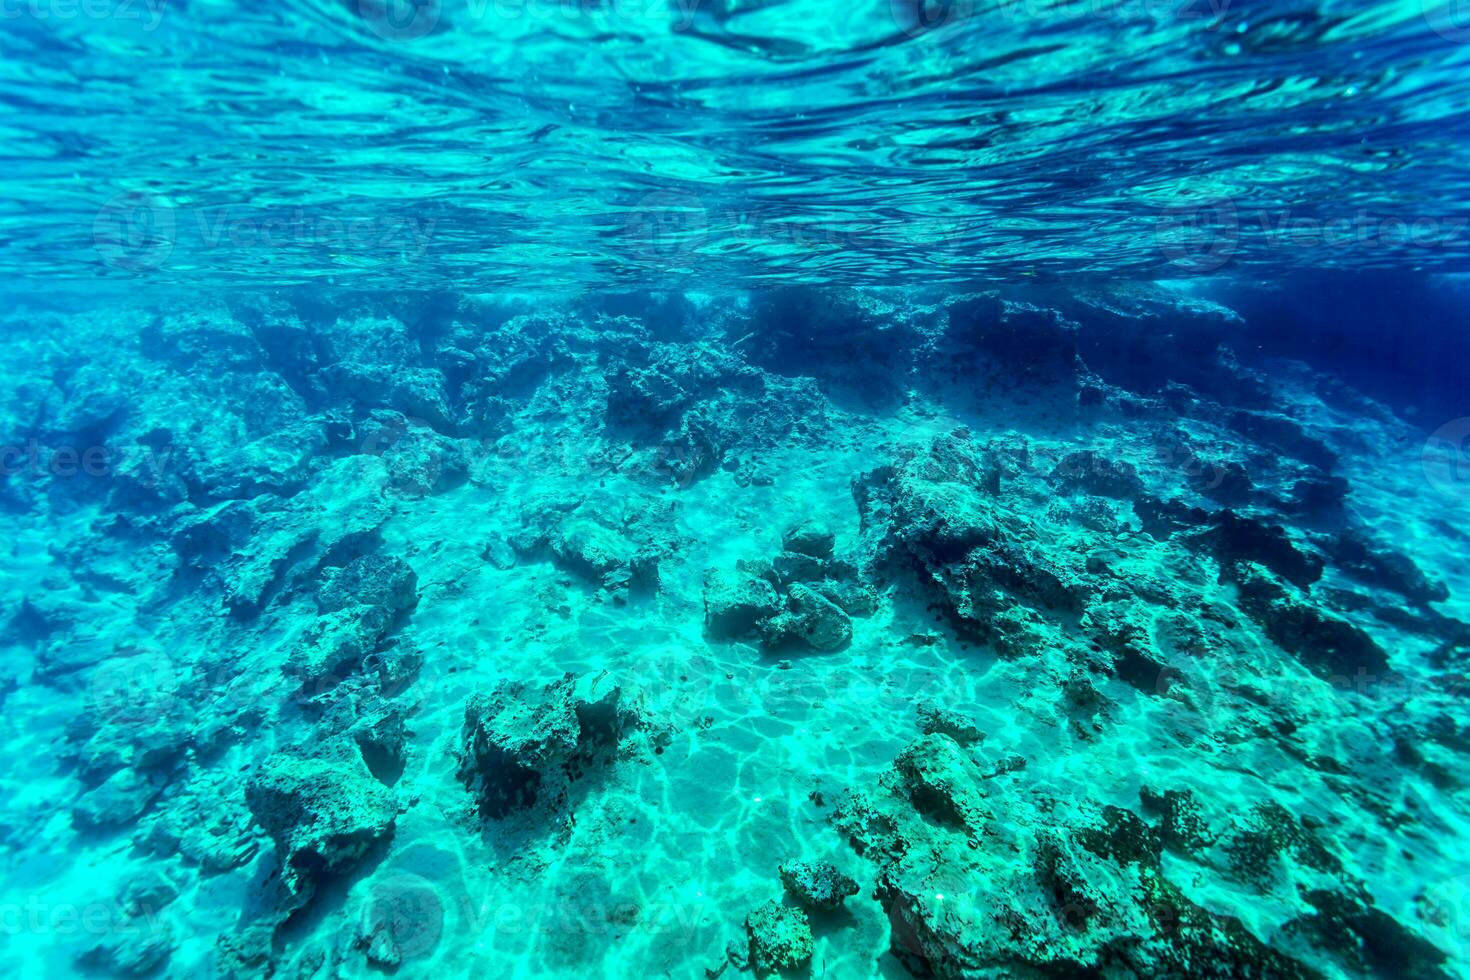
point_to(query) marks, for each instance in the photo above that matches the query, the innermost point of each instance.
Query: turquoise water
(384, 144)
(692, 489)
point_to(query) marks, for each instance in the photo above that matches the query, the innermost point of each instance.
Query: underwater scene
(625, 489)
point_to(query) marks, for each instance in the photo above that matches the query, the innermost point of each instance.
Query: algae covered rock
(811, 538)
(935, 720)
(943, 782)
(735, 605)
(780, 938)
(361, 603)
(1320, 639)
(817, 884)
(522, 747)
(120, 800)
(1021, 883)
(322, 812)
(803, 598)
(385, 585)
(811, 619)
(616, 543)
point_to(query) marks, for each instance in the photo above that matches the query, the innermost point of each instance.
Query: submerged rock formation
(979, 878)
(1158, 644)
(802, 597)
(522, 748)
(322, 812)
(780, 938)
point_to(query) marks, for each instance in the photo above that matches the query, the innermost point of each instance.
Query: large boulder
(323, 811)
(1064, 886)
(810, 537)
(736, 605)
(522, 747)
(810, 619)
(1320, 639)
(818, 885)
(780, 938)
(360, 605)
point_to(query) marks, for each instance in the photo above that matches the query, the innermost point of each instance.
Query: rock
(146, 895)
(120, 800)
(521, 747)
(209, 826)
(415, 392)
(615, 543)
(1086, 470)
(1375, 565)
(1090, 895)
(1317, 496)
(853, 598)
(942, 721)
(500, 554)
(136, 949)
(793, 566)
(780, 938)
(810, 619)
(323, 813)
(1234, 538)
(736, 605)
(1227, 482)
(417, 460)
(387, 586)
(811, 538)
(817, 885)
(1182, 827)
(942, 782)
(1318, 638)
(361, 604)
(1284, 434)
(1122, 631)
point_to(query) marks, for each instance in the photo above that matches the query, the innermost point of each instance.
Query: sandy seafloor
(144, 696)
